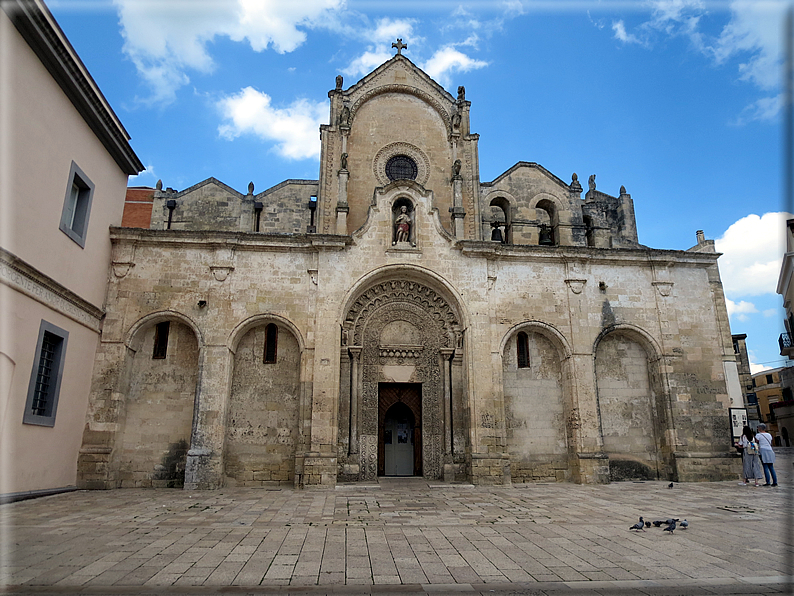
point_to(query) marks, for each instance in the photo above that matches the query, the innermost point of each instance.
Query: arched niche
(263, 415)
(156, 420)
(536, 381)
(501, 220)
(632, 404)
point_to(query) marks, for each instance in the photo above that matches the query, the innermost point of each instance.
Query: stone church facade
(399, 316)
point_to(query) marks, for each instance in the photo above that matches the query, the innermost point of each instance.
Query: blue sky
(678, 100)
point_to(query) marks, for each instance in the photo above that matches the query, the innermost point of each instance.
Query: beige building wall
(45, 275)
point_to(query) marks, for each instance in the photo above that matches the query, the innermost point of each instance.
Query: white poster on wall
(738, 421)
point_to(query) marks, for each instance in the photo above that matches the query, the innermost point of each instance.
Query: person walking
(767, 454)
(751, 464)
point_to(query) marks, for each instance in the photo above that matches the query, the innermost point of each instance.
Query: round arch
(133, 337)
(645, 339)
(548, 331)
(246, 325)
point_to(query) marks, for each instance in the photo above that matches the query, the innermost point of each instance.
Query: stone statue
(402, 226)
(344, 117)
(456, 121)
(339, 81)
(456, 169)
(159, 185)
(461, 93)
(591, 182)
(344, 161)
(575, 186)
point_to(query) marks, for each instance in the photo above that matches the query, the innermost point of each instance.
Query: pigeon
(670, 528)
(670, 521)
(670, 485)
(640, 525)
(684, 525)
(658, 523)
(647, 524)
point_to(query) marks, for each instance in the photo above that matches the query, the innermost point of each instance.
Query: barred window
(401, 167)
(45, 377)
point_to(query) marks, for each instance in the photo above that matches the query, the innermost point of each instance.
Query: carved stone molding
(386, 153)
(220, 273)
(121, 270)
(665, 287)
(576, 285)
(400, 291)
(25, 279)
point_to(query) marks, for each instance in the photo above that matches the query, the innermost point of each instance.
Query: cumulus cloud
(740, 309)
(752, 251)
(293, 128)
(166, 40)
(757, 368)
(448, 60)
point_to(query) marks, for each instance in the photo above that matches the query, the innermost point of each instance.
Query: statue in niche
(339, 81)
(344, 117)
(402, 226)
(344, 161)
(591, 182)
(456, 121)
(456, 169)
(461, 93)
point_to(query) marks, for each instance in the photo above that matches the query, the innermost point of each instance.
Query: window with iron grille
(401, 167)
(45, 377)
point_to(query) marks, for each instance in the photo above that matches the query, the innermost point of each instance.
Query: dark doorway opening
(400, 429)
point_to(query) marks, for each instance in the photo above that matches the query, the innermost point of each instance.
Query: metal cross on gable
(399, 45)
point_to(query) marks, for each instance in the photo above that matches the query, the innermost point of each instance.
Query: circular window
(401, 167)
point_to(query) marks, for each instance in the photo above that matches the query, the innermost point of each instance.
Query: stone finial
(622, 190)
(575, 186)
(399, 45)
(591, 182)
(461, 93)
(250, 188)
(159, 185)
(700, 236)
(339, 81)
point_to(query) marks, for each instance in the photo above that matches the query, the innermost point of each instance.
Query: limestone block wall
(285, 207)
(262, 420)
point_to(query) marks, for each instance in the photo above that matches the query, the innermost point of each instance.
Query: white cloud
(740, 309)
(771, 312)
(293, 128)
(766, 108)
(166, 40)
(366, 62)
(752, 254)
(448, 60)
(147, 173)
(620, 33)
(757, 368)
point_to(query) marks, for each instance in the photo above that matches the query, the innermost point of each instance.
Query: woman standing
(751, 464)
(767, 454)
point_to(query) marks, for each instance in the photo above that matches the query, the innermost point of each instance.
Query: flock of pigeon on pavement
(671, 523)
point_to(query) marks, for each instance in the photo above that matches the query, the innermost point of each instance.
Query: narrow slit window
(271, 342)
(522, 342)
(161, 340)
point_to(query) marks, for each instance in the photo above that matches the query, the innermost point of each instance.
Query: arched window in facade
(522, 349)
(271, 342)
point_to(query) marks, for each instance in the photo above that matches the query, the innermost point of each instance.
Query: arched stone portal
(402, 342)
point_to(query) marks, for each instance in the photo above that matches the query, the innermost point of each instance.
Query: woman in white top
(751, 465)
(767, 454)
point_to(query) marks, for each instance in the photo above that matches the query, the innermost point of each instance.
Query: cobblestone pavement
(404, 536)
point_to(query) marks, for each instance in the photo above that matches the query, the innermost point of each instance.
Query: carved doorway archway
(403, 337)
(400, 429)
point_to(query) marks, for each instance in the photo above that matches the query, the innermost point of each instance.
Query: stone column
(355, 385)
(444, 356)
(204, 466)
(457, 210)
(342, 208)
